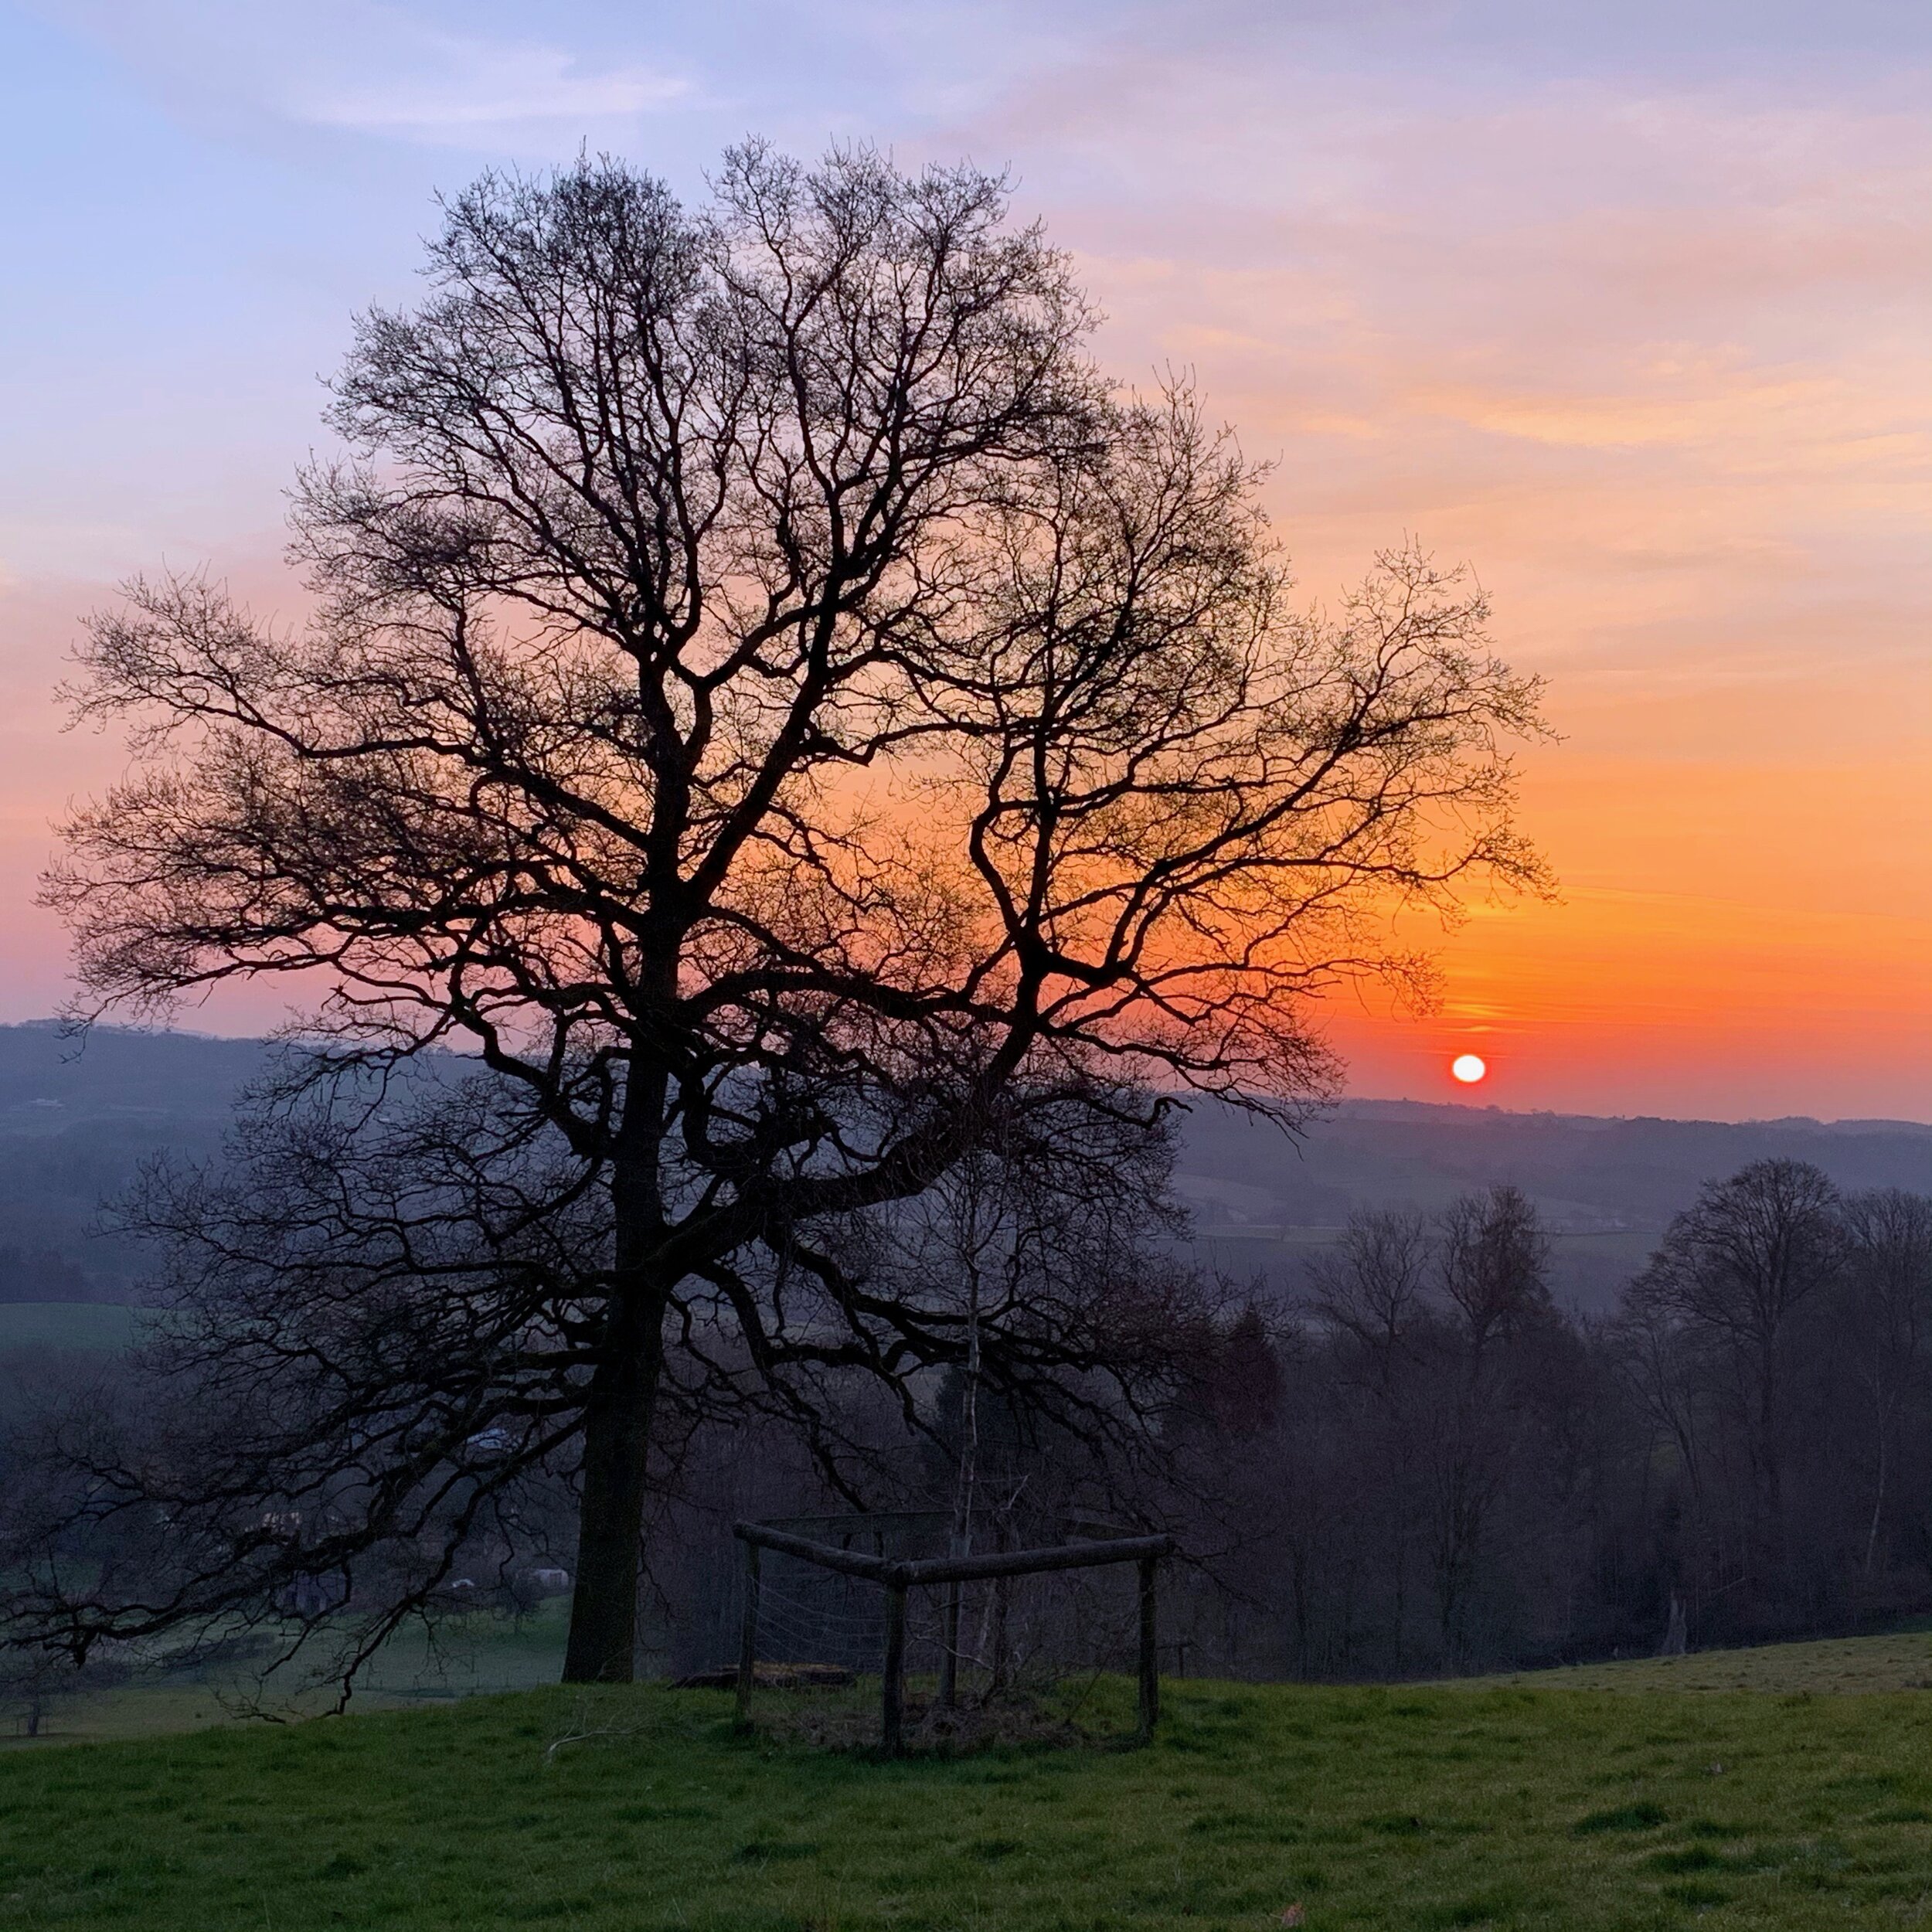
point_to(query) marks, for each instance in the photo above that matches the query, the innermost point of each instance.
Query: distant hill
(1606, 1188)
(77, 1119)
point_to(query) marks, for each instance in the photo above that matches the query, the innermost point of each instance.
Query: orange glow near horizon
(1685, 440)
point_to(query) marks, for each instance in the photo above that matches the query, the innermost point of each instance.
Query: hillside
(1606, 1188)
(1255, 1807)
(77, 1122)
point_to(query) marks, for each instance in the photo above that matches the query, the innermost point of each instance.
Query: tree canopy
(776, 704)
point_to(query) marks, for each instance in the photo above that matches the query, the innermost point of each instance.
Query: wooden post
(949, 1654)
(892, 1689)
(1150, 1652)
(1002, 1606)
(748, 1639)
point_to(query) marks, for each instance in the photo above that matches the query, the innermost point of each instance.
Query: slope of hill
(1256, 1807)
(1606, 1188)
(77, 1119)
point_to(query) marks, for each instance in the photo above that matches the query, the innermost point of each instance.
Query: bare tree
(1657, 1362)
(1375, 1285)
(1373, 1296)
(1647, 1341)
(1888, 1283)
(1734, 1269)
(772, 703)
(1491, 1264)
(1494, 1264)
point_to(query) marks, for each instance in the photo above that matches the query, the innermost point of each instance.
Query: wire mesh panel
(1057, 1638)
(1016, 1635)
(808, 1614)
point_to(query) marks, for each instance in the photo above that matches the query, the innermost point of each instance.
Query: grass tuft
(1624, 1818)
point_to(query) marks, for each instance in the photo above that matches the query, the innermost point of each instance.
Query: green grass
(470, 1654)
(1834, 1666)
(1408, 1808)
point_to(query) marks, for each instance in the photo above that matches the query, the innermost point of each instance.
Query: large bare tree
(770, 700)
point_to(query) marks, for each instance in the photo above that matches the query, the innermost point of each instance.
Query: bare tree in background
(1374, 1286)
(1734, 1269)
(1887, 1279)
(1492, 1264)
(770, 700)
(1373, 1295)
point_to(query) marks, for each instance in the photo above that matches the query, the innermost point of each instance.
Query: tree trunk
(1771, 1547)
(1878, 1497)
(617, 1410)
(617, 1441)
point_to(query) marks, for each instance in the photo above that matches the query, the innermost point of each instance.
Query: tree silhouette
(1734, 1269)
(774, 704)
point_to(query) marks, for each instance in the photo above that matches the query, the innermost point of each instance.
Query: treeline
(1421, 1464)
(1426, 1465)
(1417, 1464)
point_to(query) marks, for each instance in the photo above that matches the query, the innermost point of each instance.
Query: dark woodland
(1418, 1463)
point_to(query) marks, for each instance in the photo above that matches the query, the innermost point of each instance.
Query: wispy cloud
(389, 69)
(454, 88)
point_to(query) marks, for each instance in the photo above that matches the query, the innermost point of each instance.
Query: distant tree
(1491, 1264)
(1648, 1343)
(1374, 1286)
(1445, 1348)
(37, 1687)
(1374, 1296)
(1887, 1286)
(1494, 1263)
(1733, 1270)
(1245, 1387)
(773, 703)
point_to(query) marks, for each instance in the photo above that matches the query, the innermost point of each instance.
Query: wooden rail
(895, 1576)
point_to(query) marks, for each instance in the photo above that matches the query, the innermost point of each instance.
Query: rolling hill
(77, 1119)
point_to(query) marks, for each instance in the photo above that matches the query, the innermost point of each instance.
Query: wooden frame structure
(896, 1576)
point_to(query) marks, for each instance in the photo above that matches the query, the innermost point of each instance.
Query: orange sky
(1650, 348)
(1661, 371)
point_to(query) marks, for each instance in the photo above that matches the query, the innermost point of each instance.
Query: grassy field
(1831, 1665)
(471, 1656)
(487, 1654)
(1453, 1806)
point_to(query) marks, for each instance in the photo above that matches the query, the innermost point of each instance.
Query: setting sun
(1468, 1068)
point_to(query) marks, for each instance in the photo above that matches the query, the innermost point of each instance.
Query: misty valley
(1468, 1392)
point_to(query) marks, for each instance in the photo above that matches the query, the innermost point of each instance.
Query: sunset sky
(1629, 305)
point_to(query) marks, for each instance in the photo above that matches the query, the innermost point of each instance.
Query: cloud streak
(464, 89)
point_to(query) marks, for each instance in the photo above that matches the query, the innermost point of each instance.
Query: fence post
(892, 1690)
(748, 1639)
(1150, 1653)
(1001, 1660)
(949, 1654)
